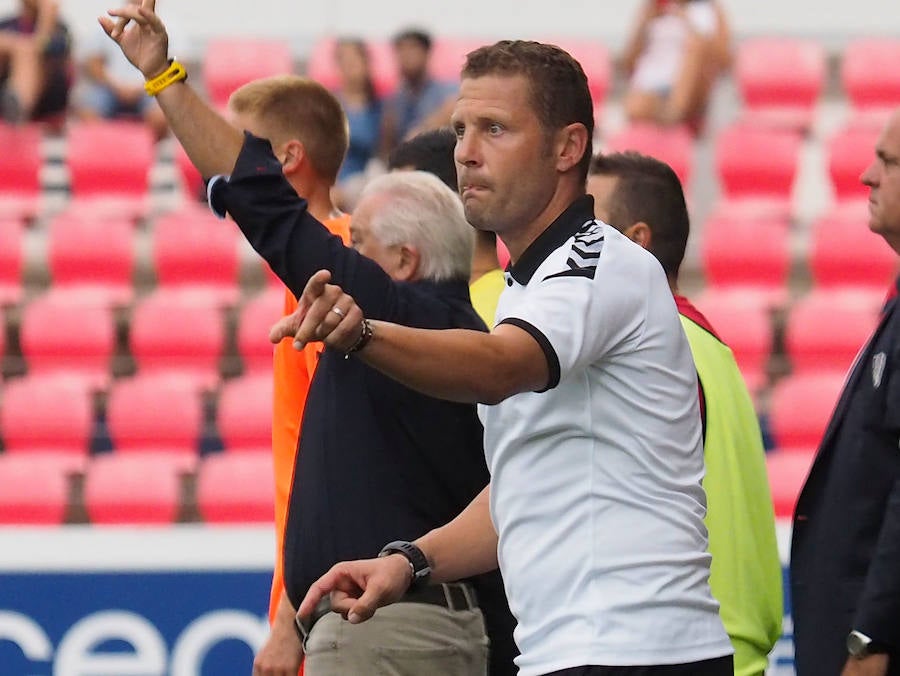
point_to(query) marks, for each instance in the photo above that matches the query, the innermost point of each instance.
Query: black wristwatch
(421, 571)
(860, 646)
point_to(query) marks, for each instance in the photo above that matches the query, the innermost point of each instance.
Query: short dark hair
(414, 35)
(430, 151)
(559, 87)
(648, 191)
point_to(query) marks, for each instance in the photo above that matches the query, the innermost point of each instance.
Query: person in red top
(308, 131)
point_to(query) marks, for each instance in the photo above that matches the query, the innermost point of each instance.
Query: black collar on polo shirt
(566, 224)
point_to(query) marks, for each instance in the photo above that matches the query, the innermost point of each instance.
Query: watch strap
(421, 570)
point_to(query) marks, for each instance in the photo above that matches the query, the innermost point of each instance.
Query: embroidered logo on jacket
(585, 252)
(878, 364)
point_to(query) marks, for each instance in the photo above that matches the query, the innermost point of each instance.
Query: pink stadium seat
(801, 406)
(256, 318)
(448, 56)
(672, 145)
(194, 250)
(226, 65)
(747, 253)
(236, 487)
(850, 152)
(52, 413)
(156, 413)
(595, 60)
(780, 80)
(64, 333)
(868, 74)
(109, 167)
(323, 69)
(245, 412)
(34, 489)
(844, 252)
(20, 167)
(787, 473)
(132, 489)
(78, 262)
(11, 257)
(826, 329)
(743, 321)
(176, 331)
(756, 169)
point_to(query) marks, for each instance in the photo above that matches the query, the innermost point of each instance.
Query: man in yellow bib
(643, 198)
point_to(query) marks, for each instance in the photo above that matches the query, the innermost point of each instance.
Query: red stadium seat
(194, 250)
(77, 262)
(226, 65)
(64, 333)
(448, 56)
(747, 253)
(801, 406)
(156, 413)
(11, 257)
(757, 167)
(871, 81)
(595, 60)
(133, 489)
(743, 321)
(787, 474)
(20, 167)
(826, 329)
(34, 489)
(323, 69)
(256, 318)
(176, 331)
(52, 413)
(845, 253)
(850, 152)
(672, 145)
(780, 80)
(245, 412)
(236, 487)
(109, 167)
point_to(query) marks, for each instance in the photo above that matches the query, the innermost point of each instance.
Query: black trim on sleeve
(549, 352)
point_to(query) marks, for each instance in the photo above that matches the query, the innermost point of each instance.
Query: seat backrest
(757, 162)
(746, 252)
(11, 251)
(801, 406)
(787, 473)
(236, 487)
(868, 72)
(231, 62)
(672, 145)
(34, 489)
(746, 327)
(844, 252)
(20, 160)
(850, 151)
(140, 489)
(47, 412)
(779, 71)
(76, 255)
(110, 158)
(256, 318)
(160, 412)
(192, 246)
(245, 412)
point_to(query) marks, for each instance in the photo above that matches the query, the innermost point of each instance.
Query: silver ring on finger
(340, 313)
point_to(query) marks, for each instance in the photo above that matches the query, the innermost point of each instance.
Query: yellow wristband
(174, 73)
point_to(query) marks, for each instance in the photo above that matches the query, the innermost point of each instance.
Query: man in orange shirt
(308, 132)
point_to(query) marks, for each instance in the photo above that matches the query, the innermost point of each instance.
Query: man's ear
(572, 144)
(640, 233)
(408, 266)
(294, 156)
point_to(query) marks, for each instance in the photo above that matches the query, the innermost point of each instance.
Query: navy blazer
(845, 554)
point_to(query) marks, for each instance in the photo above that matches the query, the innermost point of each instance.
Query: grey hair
(418, 209)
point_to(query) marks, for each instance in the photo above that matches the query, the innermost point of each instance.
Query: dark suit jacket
(845, 555)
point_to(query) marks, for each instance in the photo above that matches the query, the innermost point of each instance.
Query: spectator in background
(420, 102)
(642, 197)
(111, 89)
(432, 151)
(677, 50)
(845, 554)
(361, 104)
(35, 68)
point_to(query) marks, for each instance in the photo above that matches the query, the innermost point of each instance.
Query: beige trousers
(403, 639)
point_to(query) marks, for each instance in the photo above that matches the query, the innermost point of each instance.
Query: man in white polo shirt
(592, 427)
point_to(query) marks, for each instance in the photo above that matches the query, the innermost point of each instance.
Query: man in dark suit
(845, 558)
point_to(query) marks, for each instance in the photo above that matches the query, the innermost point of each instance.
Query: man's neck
(519, 239)
(484, 260)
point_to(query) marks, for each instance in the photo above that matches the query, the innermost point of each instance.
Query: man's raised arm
(210, 141)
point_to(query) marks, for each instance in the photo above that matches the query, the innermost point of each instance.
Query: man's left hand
(873, 665)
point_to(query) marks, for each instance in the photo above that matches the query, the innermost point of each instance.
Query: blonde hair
(415, 207)
(293, 107)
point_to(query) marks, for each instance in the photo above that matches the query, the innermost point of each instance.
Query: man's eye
(495, 129)
(459, 131)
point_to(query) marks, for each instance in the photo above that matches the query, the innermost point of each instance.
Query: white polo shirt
(595, 488)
